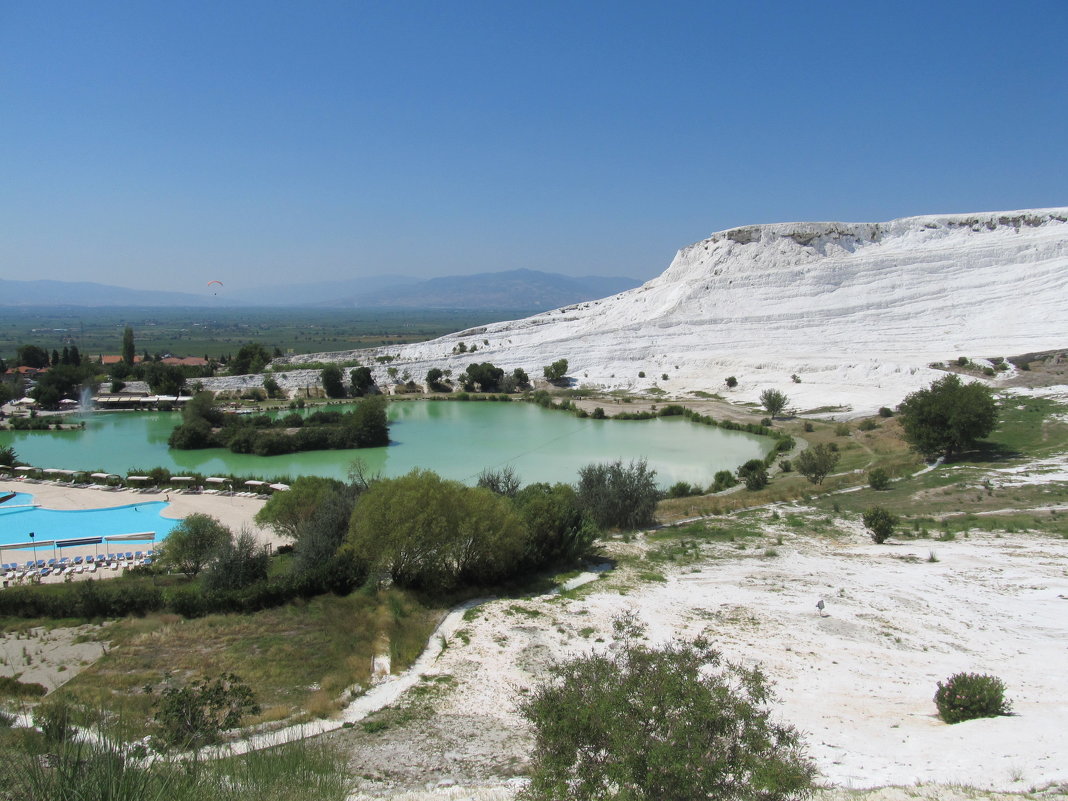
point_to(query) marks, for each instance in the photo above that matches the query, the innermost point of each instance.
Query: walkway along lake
(455, 439)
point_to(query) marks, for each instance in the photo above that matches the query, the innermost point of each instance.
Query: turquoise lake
(455, 439)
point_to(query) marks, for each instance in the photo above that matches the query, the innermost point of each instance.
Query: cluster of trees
(205, 425)
(425, 532)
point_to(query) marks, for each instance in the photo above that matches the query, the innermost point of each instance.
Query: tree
(559, 529)
(271, 387)
(332, 383)
(504, 481)
(32, 356)
(289, 512)
(193, 542)
(239, 562)
(880, 523)
(615, 496)
(817, 462)
(362, 380)
(755, 474)
(484, 377)
(129, 351)
(429, 533)
(774, 401)
(520, 378)
(434, 378)
(947, 417)
(674, 723)
(555, 371)
(252, 358)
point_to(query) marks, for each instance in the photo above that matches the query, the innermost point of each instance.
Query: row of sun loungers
(66, 565)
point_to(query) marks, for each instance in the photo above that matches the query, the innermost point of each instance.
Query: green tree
(271, 387)
(615, 496)
(555, 371)
(32, 356)
(774, 401)
(239, 562)
(948, 417)
(483, 377)
(129, 351)
(288, 513)
(816, 463)
(429, 533)
(674, 723)
(332, 383)
(434, 377)
(251, 358)
(559, 530)
(880, 523)
(362, 380)
(193, 543)
(754, 474)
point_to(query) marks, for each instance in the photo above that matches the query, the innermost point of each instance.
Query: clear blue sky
(162, 145)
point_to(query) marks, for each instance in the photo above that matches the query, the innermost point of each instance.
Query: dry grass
(299, 659)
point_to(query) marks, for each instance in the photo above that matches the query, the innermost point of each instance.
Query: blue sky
(165, 144)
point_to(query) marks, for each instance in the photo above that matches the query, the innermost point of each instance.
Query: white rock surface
(856, 310)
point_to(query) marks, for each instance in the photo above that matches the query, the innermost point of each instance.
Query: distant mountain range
(514, 289)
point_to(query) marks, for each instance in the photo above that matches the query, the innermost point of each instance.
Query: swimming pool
(18, 517)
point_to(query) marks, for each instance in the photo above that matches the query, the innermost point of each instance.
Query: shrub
(641, 374)
(618, 496)
(755, 474)
(732, 382)
(886, 411)
(841, 430)
(966, 696)
(786, 465)
(196, 714)
(878, 479)
(868, 425)
(880, 523)
(809, 428)
(675, 722)
(724, 479)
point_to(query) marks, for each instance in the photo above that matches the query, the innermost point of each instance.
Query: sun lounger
(91, 567)
(78, 560)
(44, 572)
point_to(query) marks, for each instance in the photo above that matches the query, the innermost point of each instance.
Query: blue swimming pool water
(52, 524)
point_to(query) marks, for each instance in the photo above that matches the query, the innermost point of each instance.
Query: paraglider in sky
(220, 283)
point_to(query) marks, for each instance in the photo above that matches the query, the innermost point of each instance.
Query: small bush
(878, 479)
(732, 382)
(786, 465)
(868, 425)
(886, 411)
(641, 374)
(880, 523)
(841, 430)
(809, 428)
(966, 696)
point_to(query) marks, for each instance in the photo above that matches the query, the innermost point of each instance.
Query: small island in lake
(205, 425)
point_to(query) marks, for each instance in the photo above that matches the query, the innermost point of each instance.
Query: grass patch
(297, 658)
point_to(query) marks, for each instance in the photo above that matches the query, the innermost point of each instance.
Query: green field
(218, 332)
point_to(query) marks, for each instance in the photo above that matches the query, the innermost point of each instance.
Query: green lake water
(455, 439)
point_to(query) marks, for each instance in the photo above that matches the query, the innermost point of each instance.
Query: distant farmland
(217, 332)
